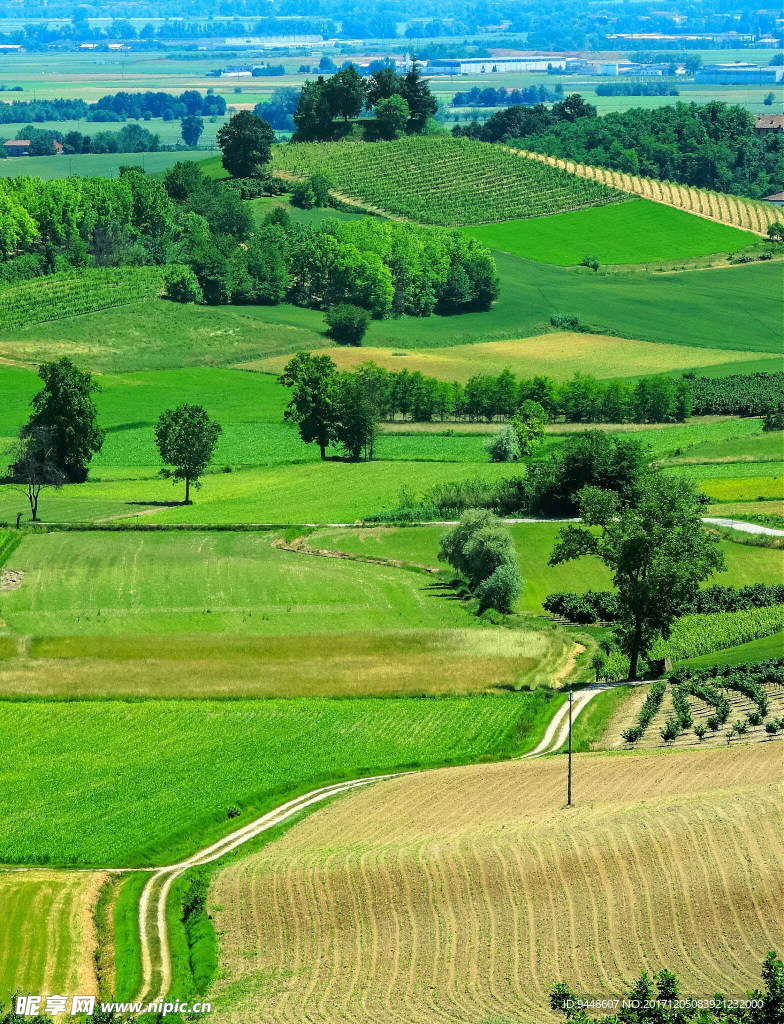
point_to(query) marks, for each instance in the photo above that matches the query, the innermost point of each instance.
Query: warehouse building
(738, 74)
(497, 65)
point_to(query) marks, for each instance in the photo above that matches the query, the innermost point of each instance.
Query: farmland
(442, 181)
(92, 165)
(637, 231)
(418, 870)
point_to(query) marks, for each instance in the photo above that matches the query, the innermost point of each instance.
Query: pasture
(472, 890)
(47, 934)
(71, 804)
(229, 615)
(637, 231)
(92, 165)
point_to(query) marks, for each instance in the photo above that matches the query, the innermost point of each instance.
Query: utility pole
(569, 757)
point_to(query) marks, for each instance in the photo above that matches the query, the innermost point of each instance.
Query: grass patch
(252, 754)
(591, 724)
(92, 165)
(127, 944)
(637, 231)
(762, 649)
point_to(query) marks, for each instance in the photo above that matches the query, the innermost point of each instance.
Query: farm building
(738, 74)
(499, 65)
(21, 147)
(766, 123)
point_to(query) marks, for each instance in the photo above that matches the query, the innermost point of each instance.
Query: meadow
(71, 803)
(636, 231)
(404, 883)
(92, 165)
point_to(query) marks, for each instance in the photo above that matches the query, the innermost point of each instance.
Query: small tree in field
(699, 732)
(772, 727)
(599, 664)
(347, 323)
(671, 730)
(35, 466)
(186, 438)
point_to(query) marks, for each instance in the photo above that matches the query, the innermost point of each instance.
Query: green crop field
(637, 231)
(443, 180)
(92, 165)
(71, 804)
(695, 635)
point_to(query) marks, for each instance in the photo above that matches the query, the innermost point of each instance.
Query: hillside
(461, 893)
(443, 180)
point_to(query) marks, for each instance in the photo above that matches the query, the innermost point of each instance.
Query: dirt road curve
(156, 978)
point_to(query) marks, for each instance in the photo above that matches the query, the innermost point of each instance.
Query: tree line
(491, 97)
(116, 107)
(131, 138)
(59, 440)
(516, 122)
(636, 89)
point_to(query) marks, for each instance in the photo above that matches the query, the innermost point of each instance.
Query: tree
(246, 142)
(769, 99)
(383, 84)
(657, 550)
(65, 411)
(454, 541)
(482, 551)
(504, 446)
(347, 323)
(421, 102)
(192, 128)
(313, 116)
(501, 589)
(528, 424)
(34, 466)
(345, 92)
(186, 439)
(357, 414)
(313, 402)
(699, 732)
(392, 116)
(599, 664)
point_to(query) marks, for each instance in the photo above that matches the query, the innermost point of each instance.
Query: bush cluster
(482, 551)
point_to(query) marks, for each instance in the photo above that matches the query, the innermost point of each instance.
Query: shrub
(699, 732)
(347, 323)
(565, 321)
(314, 191)
(772, 727)
(590, 261)
(671, 730)
(632, 735)
(504, 446)
(501, 590)
(182, 285)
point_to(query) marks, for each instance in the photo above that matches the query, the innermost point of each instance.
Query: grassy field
(442, 180)
(385, 900)
(637, 231)
(47, 935)
(70, 805)
(227, 614)
(92, 165)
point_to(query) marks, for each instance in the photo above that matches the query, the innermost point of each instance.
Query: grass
(70, 805)
(638, 231)
(442, 180)
(757, 447)
(591, 724)
(127, 945)
(745, 304)
(761, 649)
(92, 165)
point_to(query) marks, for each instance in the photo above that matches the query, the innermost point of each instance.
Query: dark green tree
(347, 323)
(392, 116)
(357, 408)
(65, 411)
(656, 549)
(313, 402)
(421, 102)
(186, 439)
(382, 85)
(192, 129)
(313, 116)
(246, 143)
(345, 92)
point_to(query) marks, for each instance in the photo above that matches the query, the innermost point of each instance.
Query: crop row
(72, 293)
(443, 181)
(749, 214)
(703, 634)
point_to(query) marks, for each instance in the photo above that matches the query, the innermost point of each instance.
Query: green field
(92, 165)
(101, 760)
(637, 231)
(443, 180)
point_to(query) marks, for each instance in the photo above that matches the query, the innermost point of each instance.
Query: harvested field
(47, 937)
(463, 895)
(559, 354)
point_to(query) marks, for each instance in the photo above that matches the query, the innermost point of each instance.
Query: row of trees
(61, 437)
(518, 122)
(131, 138)
(116, 107)
(401, 103)
(491, 97)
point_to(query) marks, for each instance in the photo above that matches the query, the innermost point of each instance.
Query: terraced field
(47, 934)
(464, 894)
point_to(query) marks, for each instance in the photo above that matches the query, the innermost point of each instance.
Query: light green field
(95, 165)
(757, 447)
(637, 231)
(71, 803)
(534, 543)
(170, 132)
(763, 649)
(46, 933)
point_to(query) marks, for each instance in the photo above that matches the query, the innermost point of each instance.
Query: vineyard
(442, 181)
(464, 895)
(73, 292)
(737, 211)
(703, 634)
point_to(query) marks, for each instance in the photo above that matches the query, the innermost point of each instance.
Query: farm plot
(442, 181)
(47, 936)
(637, 231)
(228, 614)
(464, 893)
(114, 782)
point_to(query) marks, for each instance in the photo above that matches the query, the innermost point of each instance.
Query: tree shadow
(157, 504)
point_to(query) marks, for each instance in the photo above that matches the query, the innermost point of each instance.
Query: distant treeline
(602, 605)
(115, 107)
(131, 138)
(487, 397)
(636, 89)
(741, 394)
(490, 97)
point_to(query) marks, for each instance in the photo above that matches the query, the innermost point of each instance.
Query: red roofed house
(21, 147)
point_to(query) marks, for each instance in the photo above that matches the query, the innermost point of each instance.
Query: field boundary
(734, 211)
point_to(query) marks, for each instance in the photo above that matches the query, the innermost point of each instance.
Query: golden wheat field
(47, 932)
(463, 895)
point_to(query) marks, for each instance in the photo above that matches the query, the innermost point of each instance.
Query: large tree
(186, 439)
(656, 548)
(313, 403)
(346, 93)
(246, 142)
(34, 466)
(64, 410)
(192, 128)
(421, 102)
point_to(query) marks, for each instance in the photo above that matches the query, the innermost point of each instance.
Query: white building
(496, 65)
